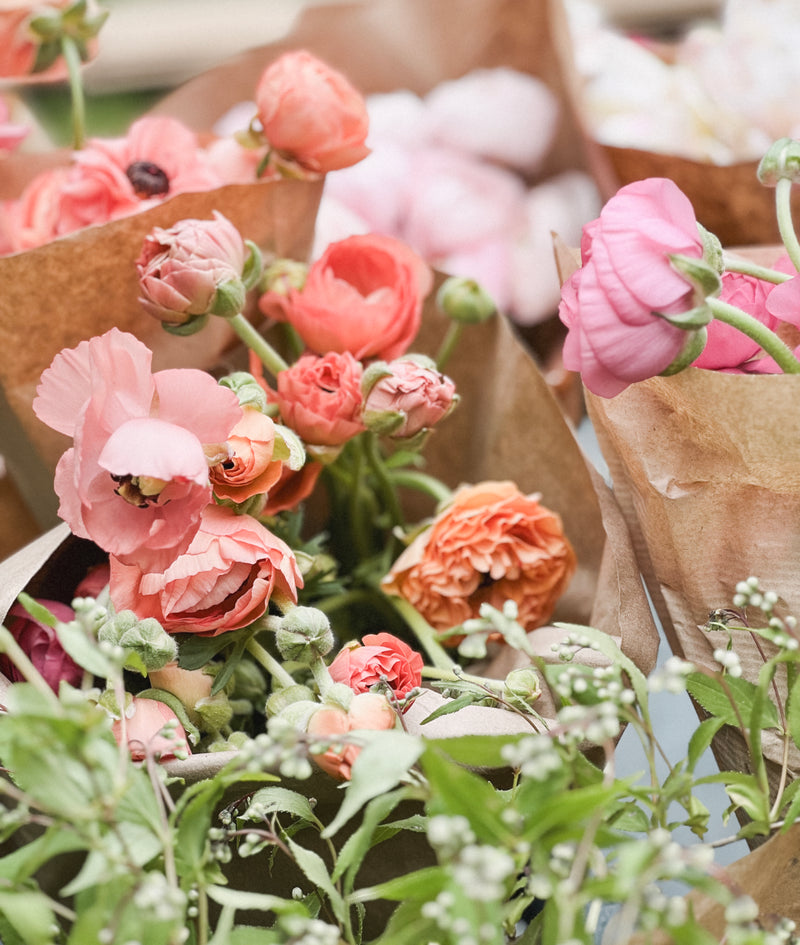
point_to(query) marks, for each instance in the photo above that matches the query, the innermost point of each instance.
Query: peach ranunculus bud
(252, 466)
(31, 35)
(311, 114)
(363, 295)
(406, 397)
(194, 269)
(368, 711)
(152, 728)
(490, 544)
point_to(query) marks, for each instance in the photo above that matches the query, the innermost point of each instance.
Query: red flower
(381, 656)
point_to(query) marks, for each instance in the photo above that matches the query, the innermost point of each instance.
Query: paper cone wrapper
(706, 467)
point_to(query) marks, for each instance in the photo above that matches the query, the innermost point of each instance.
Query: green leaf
(453, 705)
(30, 915)
(316, 870)
(701, 739)
(358, 844)
(713, 697)
(240, 899)
(380, 765)
(22, 863)
(476, 751)
(422, 885)
(282, 800)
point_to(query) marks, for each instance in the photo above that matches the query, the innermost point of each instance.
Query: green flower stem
(783, 206)
(19, 658)
(748, 268)
(73, 60)
(449, 343)
(422, 482)
(425, 635)
(444, 675)
(321, 676)
(753, 328)
(281, 677)
(386, 487)
(269, 357)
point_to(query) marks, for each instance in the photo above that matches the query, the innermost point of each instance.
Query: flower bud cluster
(535, 756)
(304, 931)
(671, 676)
(280, 748)
(156, 897)
(304, 634)
(783, 629)
(596, 724)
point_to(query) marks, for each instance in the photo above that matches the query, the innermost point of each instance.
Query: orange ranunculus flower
(250, 469)
(491, 544)
(368, 710)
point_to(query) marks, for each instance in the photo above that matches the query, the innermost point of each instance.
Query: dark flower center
(139, 491)
(148, 179)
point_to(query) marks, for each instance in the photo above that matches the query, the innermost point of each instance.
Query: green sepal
(183, 329)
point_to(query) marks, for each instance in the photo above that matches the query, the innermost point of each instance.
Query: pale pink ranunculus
(182, 268)
(319, 397)
(414, 392)
(136, 479)
(143, 730)
(35, 217)
(223, 581)
(311, 113)
(41, 645)
(11, 134)
(363, 295)
(232, 162)
(368, 711)
(250, 467)
(614, 338)
(379, 657)
(19, 46)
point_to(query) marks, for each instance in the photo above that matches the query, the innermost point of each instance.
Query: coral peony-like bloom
(311, 113)
(381, 656)
(223, 581)
(363, 295)
(410, 398)
(320, 398)
(250, 467)
(368, 711)
(608, 305)
(144, 731)
(136, 478)
(41, 645)
(183, 269)
(491, 544)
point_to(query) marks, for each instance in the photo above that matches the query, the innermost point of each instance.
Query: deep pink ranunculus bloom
(312, 113)
(363, 295)
(608, 305)
(41, 645)
(223, 581)
(136, 479)
(380, 656)
(319, 397)
(418, 394)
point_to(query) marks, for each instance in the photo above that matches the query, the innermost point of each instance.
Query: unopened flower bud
(304, 634)
(781, 162)
(282, 275)
(150, 642)
(405, 397)
(523, 685)
(465, 300)
(215, 711)
(247, 389)
(229, 299)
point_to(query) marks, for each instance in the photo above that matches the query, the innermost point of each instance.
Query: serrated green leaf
(358, 844)
(712, 696)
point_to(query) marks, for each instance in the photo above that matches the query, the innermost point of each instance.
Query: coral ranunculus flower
(136, 478)
(380, 656)
(368, 711)
(250, 468)
(363, 295)
(608, 305)
(491, 544)
(224, 580)
(311, 113)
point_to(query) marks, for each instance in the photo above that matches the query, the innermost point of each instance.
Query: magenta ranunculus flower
(136, 479)
(41, 645)
(608, 305)
(408, 397)
(223, 581)
(183, 270)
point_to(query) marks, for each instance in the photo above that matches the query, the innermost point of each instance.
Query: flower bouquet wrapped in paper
(688, 354)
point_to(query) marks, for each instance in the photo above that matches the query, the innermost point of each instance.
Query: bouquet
(689, 356)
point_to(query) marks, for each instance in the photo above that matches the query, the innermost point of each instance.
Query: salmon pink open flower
(136, 479)
(368, 711)
(152, 729)
(363, 295)
(613, 304)
(379, 657)
(491, 544)
(311, 113)
(223, 581)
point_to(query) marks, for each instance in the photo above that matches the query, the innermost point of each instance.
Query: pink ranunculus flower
(223, 581)
(319, 397)
(413, 393)
(182, 268)
(41, 645)
(311, 113)
(143, 730)
(363, 295)
(250, 467)
(368, 711)
(381, 656)
(136, 479)
(11, 134)
(614, 338)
